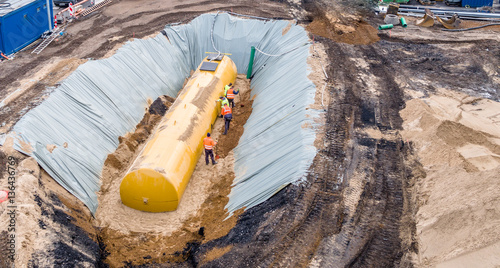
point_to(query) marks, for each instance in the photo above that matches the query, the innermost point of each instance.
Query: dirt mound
(120, 159)
(117, 161)
(341, 22)
(51, 226)
(458, 142)
(355, 32)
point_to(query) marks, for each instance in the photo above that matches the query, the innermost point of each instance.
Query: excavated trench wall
(104, 99)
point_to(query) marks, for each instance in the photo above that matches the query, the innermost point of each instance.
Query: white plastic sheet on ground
(104, 99)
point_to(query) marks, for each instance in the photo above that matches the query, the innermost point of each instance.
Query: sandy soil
(48, 219)
(406, 172)
(457, 138)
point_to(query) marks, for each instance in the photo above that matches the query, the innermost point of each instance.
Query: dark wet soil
(26, 62)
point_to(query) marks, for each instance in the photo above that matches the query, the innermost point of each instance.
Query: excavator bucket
(453, 23)
(427, 20)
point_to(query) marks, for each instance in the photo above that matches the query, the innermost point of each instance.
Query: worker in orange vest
(228, 115)
(230, 94)
(209, 148)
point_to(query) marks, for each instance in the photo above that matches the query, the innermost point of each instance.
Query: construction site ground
(406, 174)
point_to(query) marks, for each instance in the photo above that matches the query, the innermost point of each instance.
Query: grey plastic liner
(104, 99)
(98, 102)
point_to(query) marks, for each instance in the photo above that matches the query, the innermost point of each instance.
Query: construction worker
(228, 115)
(209, 148)
(230, 94)
(227, 87)
(223, 101)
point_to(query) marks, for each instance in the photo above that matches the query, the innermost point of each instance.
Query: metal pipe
(250, 63)
(470, 14)
(49, 16)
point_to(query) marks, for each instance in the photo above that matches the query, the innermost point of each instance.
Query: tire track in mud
(374, 175)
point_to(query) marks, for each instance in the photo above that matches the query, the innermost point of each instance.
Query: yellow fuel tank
(158, 177)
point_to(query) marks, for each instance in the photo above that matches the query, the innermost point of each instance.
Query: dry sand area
(457, 138)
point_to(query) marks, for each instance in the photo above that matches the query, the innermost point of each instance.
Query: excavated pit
(389, 161)
(162, 237)
(112, 233)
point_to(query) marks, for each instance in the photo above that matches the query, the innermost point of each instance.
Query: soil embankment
(457, 139)
(51, 227)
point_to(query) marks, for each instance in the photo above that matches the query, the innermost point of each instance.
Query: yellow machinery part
(453, 23)
(426, 21)
(158, 177)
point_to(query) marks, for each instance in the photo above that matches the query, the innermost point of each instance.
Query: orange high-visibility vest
(226, 110)
(230, 94)
(209, 143)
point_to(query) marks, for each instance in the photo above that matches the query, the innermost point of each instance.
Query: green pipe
(250, 63)
(385, 27)
(403, 22)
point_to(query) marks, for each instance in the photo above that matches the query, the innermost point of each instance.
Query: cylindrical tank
(158, 177)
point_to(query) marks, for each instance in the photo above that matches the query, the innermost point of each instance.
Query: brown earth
(356, 33)
(118, 161)
(342, 23)
(374, 195)
(241, 112)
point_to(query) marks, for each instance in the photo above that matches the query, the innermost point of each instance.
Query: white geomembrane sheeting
(96, 104)
(104, 99)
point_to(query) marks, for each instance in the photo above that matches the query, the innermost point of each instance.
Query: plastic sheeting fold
(96, 104)
(104, 99)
